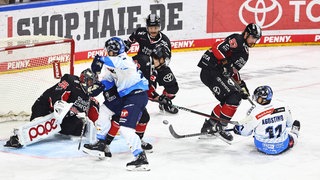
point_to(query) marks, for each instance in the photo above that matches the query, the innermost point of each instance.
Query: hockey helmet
(87, 79)
(153, 20)
(161, 51)
(116, 45)
(262, 95)
(254, 30)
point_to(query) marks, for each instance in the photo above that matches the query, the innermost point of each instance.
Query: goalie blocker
(46, 126)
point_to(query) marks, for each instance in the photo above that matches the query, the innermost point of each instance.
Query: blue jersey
(123, 72)
(269, 124)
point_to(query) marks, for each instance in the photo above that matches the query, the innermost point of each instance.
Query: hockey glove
(95, 89)
(96, 64)
(237, 129)
(127, 45)
(227, 68)
(244, 90)
(166, 104)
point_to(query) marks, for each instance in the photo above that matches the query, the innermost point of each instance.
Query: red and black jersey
(70, 90)
(233, 49)
(147, 44)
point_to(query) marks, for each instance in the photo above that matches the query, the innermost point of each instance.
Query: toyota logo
(259, 12)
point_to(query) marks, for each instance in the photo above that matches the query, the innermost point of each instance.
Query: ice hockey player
(108, 122)
(221, 63)
(120, 69)
(161, 74)
(60, 109)
(149, 38)
(270, 124)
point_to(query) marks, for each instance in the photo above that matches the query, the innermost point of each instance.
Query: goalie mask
(87, 79)
(262, 95)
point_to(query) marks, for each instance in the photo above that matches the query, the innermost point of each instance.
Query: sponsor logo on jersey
(216, 90)
(168, 78)
(124, 113)
(264, 113)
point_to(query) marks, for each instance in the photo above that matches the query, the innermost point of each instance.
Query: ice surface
(292, 72)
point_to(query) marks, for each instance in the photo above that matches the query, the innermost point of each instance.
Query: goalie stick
(82, 131)
(84, 124)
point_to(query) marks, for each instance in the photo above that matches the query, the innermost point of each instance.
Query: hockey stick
(200, 113)
(240, 89)
(84, 124)
(82, 132)
(179, 136)
(206, 115)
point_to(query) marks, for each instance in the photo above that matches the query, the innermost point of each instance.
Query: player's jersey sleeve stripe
(217, 53)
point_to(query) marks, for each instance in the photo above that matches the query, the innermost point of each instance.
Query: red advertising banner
(206, 43)
(230, 15)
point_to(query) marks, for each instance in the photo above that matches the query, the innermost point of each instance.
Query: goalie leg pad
(38, 129)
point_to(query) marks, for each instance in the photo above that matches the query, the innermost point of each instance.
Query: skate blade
(100, 155)
(215, 136)
(144, 167)
(207, 136)
(149, 151)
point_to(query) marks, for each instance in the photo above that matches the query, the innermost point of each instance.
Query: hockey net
(28, 66)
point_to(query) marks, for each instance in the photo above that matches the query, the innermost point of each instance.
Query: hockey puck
(165, 122)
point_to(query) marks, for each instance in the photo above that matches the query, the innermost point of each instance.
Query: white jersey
(269, 124)
(124, 73)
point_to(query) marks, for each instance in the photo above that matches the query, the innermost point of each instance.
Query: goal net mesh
(28, 66)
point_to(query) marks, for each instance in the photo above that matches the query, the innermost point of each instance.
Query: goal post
(28, 66)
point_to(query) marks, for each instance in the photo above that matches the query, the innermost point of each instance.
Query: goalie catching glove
(166, 104)
(61, 108)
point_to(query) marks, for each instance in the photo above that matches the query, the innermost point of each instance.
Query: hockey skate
(99, 149)
(295, 127)
(147, 147)
(226, 134)
(207, 126)
(214, 128)
(139, 164)
(13, 142)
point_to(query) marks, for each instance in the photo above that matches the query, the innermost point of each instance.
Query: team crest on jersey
(64, 84)
(168, 78)
(233, 43)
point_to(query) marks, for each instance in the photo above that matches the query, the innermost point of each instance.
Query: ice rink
(292, 72)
